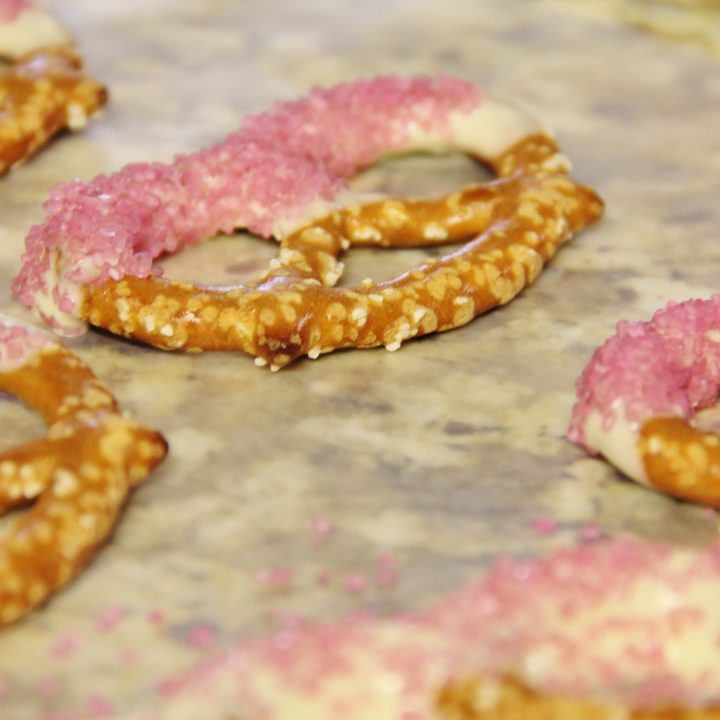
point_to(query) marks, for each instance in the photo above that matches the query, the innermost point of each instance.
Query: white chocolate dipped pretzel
(638, 397)
(284, 173)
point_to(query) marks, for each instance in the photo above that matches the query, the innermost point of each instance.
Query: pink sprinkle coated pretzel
(284, 173)
(638, 396)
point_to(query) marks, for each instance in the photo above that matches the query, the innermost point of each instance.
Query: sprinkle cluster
(10, 9)
(18, 343)
(617, 621)
(669, 365)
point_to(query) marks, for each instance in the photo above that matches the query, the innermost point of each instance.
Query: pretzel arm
(40, 95)
(79, 474)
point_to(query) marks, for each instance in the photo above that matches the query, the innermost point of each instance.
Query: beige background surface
(440, 455)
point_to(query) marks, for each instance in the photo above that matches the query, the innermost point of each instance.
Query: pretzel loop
(520, 221)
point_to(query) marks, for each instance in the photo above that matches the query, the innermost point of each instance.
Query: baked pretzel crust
(78, 477)
(41, 94)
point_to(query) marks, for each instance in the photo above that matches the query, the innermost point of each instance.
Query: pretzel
(44, 90)
(283, 173)
(638, 397)
(78, 476)
(616, 629)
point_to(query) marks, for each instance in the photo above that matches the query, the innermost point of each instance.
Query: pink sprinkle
(355, 583)
(100, 707)
(155, 617)
(591, 532)
(275, 577)
(10, 9)
(544, 526)
(49, 687)
(129, 657)
(201, 635)
(323, 525)
(387, 570)
(109, 618)
(168, 686)
(323, 577)
(65, 646)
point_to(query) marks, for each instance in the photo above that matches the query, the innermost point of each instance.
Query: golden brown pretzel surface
(41, 94)
(76, 478)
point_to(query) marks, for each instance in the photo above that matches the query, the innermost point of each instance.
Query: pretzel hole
(19, 422)
(242, 257)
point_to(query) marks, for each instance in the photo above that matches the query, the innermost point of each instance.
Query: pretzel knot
(283, 173)
(78, 476)
(44, 89)
(638, 397)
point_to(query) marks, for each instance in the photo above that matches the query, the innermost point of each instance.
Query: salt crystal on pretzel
(619, 629)
(638, 396)
(283, 172)
(78, 476)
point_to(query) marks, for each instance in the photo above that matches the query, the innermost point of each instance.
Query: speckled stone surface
(441, 455)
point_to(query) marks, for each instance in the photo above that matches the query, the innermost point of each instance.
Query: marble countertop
(429, 462)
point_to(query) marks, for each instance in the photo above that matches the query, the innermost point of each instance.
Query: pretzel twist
(91, 261)
(521, 222)
(78, 476)
(44, 90)
(638, 397)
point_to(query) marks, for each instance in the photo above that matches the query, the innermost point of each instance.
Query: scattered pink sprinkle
(10, 9)
(109, 618)
(168, 686)
(275, 577)
(323, 577)
(155, 617)
(129, 657)
(49, 687)
(201, 635)
(100, 707)
(544, 526)
(387, 570)
(355, 583)
(65, 646)
(323, 525)
(591, 532)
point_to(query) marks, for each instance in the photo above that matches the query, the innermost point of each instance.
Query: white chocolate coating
(618, 443)
(30, 30)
